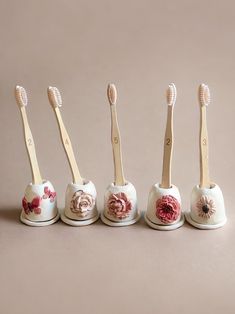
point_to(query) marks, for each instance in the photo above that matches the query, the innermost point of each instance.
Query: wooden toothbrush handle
(203, 144)
(68, 149)
(117, 152)
(168, 148)
(29, 142)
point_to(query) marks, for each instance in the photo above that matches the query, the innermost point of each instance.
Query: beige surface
(80, 46)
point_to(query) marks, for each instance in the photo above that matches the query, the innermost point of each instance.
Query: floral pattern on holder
(205, 207)
(33, 206)
(119, 206)
(82, 203)
(167, 209)
(49, 194)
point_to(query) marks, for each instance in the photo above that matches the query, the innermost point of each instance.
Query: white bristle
(204, 95)
(171, 94)
(54, 96)
(112, 94)
(21, 96)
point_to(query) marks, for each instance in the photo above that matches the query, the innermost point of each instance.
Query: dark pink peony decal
(119, 206)
(49, 194)
(167, 209)
(33, 206)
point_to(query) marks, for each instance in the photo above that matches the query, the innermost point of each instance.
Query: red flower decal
(167, 209)
(33, 206)
(119, 205)
(49, 194)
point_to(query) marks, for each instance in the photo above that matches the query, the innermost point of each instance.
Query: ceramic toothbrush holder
(120, 205)
(39, 205)
(80, 204)
(207, 208)
(164, 208)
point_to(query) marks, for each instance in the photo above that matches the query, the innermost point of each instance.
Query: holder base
(121, 223)
(165, 227)
(202, 226)
(38, 223)
(78, 223)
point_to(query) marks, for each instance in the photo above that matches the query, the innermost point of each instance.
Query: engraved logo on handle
(168, 141)
(115, 140)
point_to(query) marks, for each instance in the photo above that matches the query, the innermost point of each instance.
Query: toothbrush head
(171, 94)
(54, 96)
(21, 96)
(112, 94)
(204, 95)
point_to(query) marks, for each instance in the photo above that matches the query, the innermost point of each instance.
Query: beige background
(80, 46)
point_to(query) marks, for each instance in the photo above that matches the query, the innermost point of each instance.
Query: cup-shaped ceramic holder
(120, 205)
(80, 204)
(207, 208)
(39, 205)
(164, 208)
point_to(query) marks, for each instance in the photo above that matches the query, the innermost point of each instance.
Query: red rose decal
(49, 194)
(119, 205)
(33, 206)
(167, 209)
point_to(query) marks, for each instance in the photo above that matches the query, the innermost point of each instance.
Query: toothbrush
(115, 137)
(22, 101)
(204, 100)
(56, 102)
(171, 94)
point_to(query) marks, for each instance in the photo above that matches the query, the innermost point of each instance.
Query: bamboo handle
(168, 148)
(117, 152)
(68, 149)
(203, 143)
(29, 142)
(115, 137)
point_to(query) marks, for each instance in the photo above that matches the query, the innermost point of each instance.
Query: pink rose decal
(49, 194)
(33, 206)
(82, 203)
(167, 209)
(119, 206)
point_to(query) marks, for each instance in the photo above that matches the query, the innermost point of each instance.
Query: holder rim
(111, 223)
(165, 227)
(203, 226)
(78, 223)
(31, 223)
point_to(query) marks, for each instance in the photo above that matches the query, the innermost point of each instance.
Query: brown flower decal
(82, 203)
(205, 207)
(167, 209)
(119, 206)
